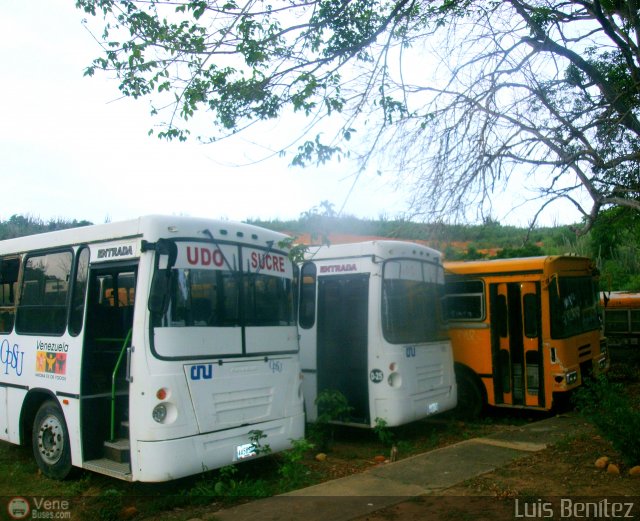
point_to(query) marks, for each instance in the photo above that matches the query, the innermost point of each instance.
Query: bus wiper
(217, 244)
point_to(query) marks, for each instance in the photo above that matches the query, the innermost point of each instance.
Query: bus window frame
(20, 305)
(14, 286)
(241, 275)
(482, 296)
(436, 333)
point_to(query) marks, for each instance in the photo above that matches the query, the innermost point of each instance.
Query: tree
(544, 93)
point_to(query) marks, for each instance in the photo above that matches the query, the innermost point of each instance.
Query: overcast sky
(70, 148)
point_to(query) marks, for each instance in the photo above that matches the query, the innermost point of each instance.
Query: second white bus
(370, 328)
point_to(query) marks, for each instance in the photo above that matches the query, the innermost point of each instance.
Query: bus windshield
(411, 295)
(574, 310)
(213, 299)
(208, 301)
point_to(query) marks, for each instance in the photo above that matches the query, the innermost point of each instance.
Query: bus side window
(465, 300)
(9, 269)
(307, 310)
(43, 297)
(79, 292)
(616, 321)
(635, 321)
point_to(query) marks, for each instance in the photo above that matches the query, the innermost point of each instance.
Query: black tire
(471, 400)
(50, 441)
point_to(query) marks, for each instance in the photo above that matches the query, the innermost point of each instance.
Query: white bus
(150, 349)
(370, 328)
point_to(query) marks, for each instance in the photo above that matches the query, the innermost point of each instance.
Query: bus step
(118, 450)
(109, 468)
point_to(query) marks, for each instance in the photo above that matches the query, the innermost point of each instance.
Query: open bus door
(516, 344)
(342, 360)
(105, 386)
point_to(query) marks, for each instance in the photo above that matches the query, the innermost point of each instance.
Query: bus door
(108, 335)
(342, 340)
(516, 343)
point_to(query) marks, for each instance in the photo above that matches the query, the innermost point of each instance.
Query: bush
(332, 407)
(609, 408)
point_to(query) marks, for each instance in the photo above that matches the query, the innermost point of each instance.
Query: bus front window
(207, 298)
(201, 298)
(411, 295)
(574, 309)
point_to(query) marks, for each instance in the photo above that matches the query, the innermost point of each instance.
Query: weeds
(110, 504)
(609, 408)
(332, 407)
(293, 473)
(386, 436)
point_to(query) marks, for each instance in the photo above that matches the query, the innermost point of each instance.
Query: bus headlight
(603, 346)
(394, 380)
(159, 413)
(572, 377)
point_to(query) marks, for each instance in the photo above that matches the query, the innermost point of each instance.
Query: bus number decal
(202, 372)
(410, 351)
(275, 366)
(376, 376)
(11, 357)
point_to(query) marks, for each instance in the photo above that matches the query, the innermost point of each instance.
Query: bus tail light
(164, 412)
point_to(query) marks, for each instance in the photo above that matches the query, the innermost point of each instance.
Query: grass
(103, 498)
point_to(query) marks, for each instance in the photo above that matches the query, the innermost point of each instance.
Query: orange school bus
(622, 323)
(524, 331)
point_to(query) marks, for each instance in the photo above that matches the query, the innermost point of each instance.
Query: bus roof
(522, 265)
(620, 299)
(151, 227)
(385, 249)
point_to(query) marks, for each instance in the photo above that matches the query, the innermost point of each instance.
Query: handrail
(113, 385)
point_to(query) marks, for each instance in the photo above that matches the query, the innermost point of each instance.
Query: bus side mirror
(166, 255)
(159, 293)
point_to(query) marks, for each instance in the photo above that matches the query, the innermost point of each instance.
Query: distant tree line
(20, 225)
(613, 242)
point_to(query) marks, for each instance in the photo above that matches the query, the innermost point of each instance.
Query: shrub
(609, 408)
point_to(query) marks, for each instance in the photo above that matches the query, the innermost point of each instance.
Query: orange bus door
(500, 344)
(532, 344)
(515, 343)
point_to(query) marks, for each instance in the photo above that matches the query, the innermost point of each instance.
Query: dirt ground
(561, 482)
(550, 481)
(553, 483)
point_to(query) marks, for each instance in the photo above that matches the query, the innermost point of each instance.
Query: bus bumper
(155, 461)
(416, 407)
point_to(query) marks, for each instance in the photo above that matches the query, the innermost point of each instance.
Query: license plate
(245, 451)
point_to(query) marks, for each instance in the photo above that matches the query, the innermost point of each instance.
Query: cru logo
(202, 372)
(18, 508)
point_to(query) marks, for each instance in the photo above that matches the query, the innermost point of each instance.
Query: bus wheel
(471, 400)
(51, 442)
